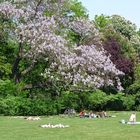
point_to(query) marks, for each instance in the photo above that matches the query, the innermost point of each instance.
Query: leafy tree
(122, 63)
(38, 38)
(125, 27)
(128, 30)
(77, 9)
(102, 21)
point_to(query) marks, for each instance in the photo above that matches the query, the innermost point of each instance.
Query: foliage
(8, 87)
(9, 106)
(37, 37)
(122, 51)
(97, 100)
(5, 68)
(125, 27)
(69, 100)
(77, 9)
(46, 105)
(114, 49)
(102, 21)
(134, 88)
(137, 99)
(69, 8)
(129, 102)
(52, 57)
(137, 72)
(12, 105)
(115, 102)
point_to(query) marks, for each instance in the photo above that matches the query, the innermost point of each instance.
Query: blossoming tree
(39, 38)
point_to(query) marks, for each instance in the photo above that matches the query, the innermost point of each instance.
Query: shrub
(137, 108)
(9, 105)
(12, 105)
(115, 102)
(129, 102)
(134, 88)
(97, 100)
(69, 100)
(8, 87)
(137, 101)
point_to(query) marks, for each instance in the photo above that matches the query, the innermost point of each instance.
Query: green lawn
(80, 128)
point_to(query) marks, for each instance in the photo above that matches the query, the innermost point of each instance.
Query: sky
(129, 9)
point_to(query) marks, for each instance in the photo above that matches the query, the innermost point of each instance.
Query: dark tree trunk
(16, 75)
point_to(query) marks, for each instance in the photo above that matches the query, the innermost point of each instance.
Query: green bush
(129, 102)
(76, 100)
(12, 105)
(38, 107)
(137, 101)
(8, 87)
(20, 104)
(115, 102)
(134, 88)
(9, 105)
(137, 108)
(97, 100)
(69, 100)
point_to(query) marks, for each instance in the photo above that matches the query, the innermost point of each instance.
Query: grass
(80, 128)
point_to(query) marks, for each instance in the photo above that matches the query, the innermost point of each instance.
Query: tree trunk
(16, 75)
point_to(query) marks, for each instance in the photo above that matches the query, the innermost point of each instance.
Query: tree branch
(28, 69)
(36, 8)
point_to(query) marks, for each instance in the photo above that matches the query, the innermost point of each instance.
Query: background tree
(50, 50)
